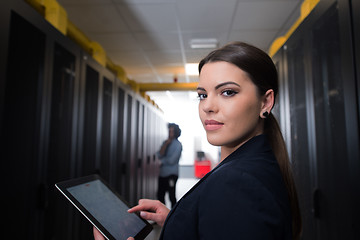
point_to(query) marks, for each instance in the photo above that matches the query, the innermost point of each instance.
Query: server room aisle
(183, 185)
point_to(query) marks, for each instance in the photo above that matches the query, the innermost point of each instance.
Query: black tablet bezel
(62, 187)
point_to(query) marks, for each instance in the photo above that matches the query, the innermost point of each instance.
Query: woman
(251, 193)
(169, 155)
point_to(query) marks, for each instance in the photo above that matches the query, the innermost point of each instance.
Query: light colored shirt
(170, 160)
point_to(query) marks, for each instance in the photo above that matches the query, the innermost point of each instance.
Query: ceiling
(150, 38)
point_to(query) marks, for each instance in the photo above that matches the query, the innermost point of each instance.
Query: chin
(228, 142)
(214, 141)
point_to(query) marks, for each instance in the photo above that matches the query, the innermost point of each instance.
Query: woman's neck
(226, 150)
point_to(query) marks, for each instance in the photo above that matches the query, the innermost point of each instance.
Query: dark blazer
(244, 197)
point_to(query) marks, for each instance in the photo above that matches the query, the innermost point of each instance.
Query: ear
(267, 103)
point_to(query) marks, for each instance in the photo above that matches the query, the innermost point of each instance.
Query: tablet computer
(104, 208)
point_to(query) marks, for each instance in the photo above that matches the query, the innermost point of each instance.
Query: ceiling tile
(256, 15)
(260, 39)
(165, 58)
(159, 41)
(205, 15)
(117, 41)
(149, 17)
(128, 59)
(96, 18)
(196, 55)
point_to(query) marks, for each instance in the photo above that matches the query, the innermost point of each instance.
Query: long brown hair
(262, 71)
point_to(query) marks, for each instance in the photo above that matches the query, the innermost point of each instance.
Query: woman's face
(171, 132)
(229, 108)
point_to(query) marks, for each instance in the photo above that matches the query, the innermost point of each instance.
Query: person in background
(169, 155)
(251, 193)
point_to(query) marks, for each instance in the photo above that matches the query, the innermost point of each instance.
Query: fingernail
(143, 214)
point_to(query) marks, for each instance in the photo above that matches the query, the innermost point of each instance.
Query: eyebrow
(219, 86)
(226, 83)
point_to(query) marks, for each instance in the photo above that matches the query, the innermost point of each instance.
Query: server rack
(22, 116)
(60, 123)
(140, 152)
(318, 80)
(63, 115)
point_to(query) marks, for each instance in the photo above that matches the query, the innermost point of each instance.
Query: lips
(211, 125)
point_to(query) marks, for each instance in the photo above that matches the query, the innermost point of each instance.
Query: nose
(209, 105)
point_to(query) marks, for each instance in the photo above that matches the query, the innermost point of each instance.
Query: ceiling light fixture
(204, 43)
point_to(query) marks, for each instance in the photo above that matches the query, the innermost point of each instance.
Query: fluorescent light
(191, 69)
(204, 43)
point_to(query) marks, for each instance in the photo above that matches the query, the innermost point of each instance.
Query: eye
(202, 96)
(228, 93)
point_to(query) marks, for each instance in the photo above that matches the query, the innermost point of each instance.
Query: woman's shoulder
(235, 175)
(259, 164)
(243, 201)
(175, 144)
(256, 178)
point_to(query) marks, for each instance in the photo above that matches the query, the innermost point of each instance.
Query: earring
(265, 114)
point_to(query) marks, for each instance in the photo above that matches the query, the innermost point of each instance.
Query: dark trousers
(167, 184)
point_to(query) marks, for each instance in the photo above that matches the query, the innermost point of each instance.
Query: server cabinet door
(105, 155)
(89, 146)
(60, 164)
(140, 152)
(21, 128)
(88, 139)
(120, 143)
(146, 157)
(335, 221)
(128, 163)
(153, 172)
(302, 137)
(133, 155)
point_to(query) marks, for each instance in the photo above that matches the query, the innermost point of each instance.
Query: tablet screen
(100, 204)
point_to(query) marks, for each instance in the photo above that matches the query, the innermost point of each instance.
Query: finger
(156, 217)
(148, 215)
(137, 208)
(97, 234)
(130, 238)
(145, 205)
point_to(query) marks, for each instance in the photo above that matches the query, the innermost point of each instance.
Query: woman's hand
(152, 210)
(99, 236)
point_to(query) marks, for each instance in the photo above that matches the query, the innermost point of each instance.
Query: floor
(182, 186)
